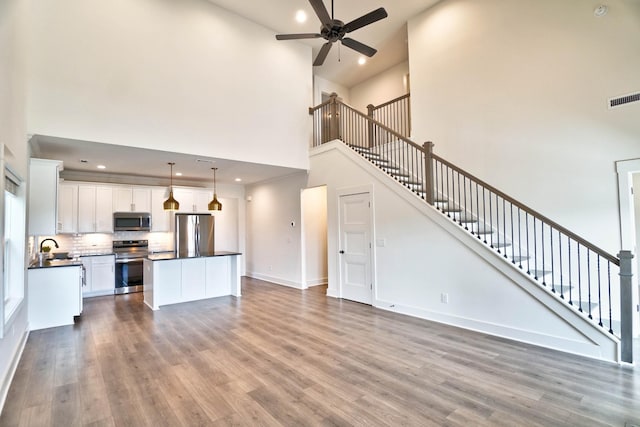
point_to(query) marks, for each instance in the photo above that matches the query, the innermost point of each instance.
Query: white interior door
(355, 248)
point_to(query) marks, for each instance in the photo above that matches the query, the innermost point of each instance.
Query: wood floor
(279, 356)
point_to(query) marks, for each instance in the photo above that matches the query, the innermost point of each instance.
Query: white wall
(516, 93)
(314, 235)
(425, 255)
(323, 86)
(384, 87)
(183, 76)
(273, 244)
(13, 26)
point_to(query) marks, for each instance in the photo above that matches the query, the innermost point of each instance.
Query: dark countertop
(56, 263)
(172, 256)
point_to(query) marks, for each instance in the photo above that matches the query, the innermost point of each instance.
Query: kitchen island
(170, 279)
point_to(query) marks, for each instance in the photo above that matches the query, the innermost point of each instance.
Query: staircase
(576, 272)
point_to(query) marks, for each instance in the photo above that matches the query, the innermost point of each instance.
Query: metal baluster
(449, 195)
(478, 208)
(484, 214)
(543, 250)
(553, 286)
(561, 270)
(498, 223)
(599, 295)
(569, 270)
(579, 280)
(589, 281)
(459, 201)
(535, 250)
(609, 288)
(491, 218)
(526, 224)
(504, 226)
(519, 239)
(463, 212)
(513, 256)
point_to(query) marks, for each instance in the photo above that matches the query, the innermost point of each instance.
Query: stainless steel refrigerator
(194, 234)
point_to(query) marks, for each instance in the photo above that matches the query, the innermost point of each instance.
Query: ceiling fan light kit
(333, 30)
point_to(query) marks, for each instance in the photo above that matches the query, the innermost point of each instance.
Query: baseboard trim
(317, 282)
(276, 280)
(6, 383)
(591, 350)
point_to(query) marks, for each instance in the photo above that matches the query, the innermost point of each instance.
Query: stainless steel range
(129, 255)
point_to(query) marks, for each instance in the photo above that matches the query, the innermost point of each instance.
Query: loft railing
(395, 114)
(578, 272)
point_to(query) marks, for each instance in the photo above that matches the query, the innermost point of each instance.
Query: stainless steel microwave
(131, 221)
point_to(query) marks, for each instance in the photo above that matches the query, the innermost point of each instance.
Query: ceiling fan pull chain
(332, 10)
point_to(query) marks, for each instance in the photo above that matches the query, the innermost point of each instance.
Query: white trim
(318, 282)
(276, 280)
(6, 384)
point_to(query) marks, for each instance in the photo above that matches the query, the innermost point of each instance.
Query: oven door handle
(128, 260)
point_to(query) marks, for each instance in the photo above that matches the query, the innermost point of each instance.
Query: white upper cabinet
(160, 219)
(95, 213)
(67, 208)
(193, 200)
(43, 196)
(131, 199)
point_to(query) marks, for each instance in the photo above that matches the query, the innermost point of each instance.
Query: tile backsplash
(99, 243)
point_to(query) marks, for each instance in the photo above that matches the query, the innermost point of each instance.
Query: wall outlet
(444, 298)
(271, 268)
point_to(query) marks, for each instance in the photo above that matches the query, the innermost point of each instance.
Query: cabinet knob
(341, 252)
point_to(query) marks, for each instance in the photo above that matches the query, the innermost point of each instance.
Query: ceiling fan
(333, 30)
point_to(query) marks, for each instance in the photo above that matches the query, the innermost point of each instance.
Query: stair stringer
(587, 338)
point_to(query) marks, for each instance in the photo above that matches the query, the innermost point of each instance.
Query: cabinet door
(141, 199)
(43, 191)
(167, 276)
(193, 271)
(104, 209)
(86, 284)
(201, 199)
(67, 208)
(122, 199)
(86, 208)
(103, 274)
(160, 219)
(218, 279)
(184, 196)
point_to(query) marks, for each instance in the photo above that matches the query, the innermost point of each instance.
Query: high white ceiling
(388, 36)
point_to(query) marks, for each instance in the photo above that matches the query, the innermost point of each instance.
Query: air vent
(622, 100)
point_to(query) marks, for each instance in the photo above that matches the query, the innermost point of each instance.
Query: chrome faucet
(54, 242)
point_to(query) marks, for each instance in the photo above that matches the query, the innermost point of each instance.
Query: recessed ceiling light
(301, 16)
(238, 179)
(101, 167)
(178, 173)
(362, 60)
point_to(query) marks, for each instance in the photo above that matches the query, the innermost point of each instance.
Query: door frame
(350, 191)
(625, 170)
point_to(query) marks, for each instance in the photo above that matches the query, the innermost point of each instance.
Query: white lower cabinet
(54, 296)
(218, 277)
(99, 275)
(171, 281)
(193, 287)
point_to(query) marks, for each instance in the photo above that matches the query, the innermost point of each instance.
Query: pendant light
(215, 205)
(171, 204)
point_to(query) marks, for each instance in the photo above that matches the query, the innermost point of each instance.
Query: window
(13, 245)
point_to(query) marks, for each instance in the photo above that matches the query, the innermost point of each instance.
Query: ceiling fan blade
(324, 51)
(357, 46)
(367, 19)
(298, 36)
(320, 9)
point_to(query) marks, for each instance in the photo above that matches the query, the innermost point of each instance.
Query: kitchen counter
(171, 255)
(169, 279)
(56, 263)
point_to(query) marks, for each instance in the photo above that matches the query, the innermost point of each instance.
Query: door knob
(341, 252)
